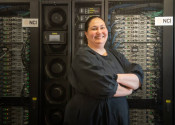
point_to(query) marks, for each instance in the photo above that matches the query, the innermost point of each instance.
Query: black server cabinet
(19, 63)
(174, 55)
(81, 11)
(168, 83)
(55, 44)
(132, 31)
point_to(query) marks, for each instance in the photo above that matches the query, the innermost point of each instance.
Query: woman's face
(97, 33)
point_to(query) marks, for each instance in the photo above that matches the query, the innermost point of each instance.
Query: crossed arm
(126, 84)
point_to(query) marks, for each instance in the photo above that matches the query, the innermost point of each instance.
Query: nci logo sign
(164, 21)
(30, 22)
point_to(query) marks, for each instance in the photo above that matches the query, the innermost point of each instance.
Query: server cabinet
(168, 66)
(18, 63)
(55, 44)
(174, 55)
(132, 31)
(81, 11)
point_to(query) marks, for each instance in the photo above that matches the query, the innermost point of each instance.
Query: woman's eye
(94, 28)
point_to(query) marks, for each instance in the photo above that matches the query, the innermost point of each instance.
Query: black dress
(93, 77)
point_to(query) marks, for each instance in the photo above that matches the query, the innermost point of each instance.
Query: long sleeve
(129, 67)
(90, 78)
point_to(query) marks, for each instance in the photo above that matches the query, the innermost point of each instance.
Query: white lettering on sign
(164, 21)
(29, 22)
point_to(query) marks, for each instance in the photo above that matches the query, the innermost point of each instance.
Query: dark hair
(87, 25)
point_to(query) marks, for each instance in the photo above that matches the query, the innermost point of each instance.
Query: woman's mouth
(99, 37)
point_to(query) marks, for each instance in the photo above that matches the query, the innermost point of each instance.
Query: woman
(101, 78)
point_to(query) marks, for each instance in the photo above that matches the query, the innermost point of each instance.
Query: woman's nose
(98, 31)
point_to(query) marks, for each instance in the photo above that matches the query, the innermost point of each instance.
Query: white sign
(164, 21)
(29, 22)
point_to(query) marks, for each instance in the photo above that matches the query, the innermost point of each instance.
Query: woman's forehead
(96, 22)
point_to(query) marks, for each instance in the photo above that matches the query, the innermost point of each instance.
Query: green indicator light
(151, 121)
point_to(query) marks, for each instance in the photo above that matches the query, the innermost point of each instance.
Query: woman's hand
(123, 91)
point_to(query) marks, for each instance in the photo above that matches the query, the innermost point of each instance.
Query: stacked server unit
(14, 67)
(15, 58)
(132, 31)
(55, 56)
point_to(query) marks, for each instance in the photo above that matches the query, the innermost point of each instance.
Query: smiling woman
(97, 35)
(102, 78)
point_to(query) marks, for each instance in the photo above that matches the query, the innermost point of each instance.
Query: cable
(25, 62)
(109, 19)
(3, 52)
(23, 14)
(153, 14)
(20, 10)
(25, 59)
(3, 55)
(120, 6)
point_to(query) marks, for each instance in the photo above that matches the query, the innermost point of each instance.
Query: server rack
(174, 57)
(167, 67)
(19, 99)
(55, 45)
(154, 103)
